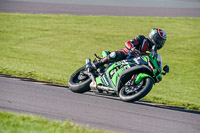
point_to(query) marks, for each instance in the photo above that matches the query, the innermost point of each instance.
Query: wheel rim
(80, 77)
(131, 89)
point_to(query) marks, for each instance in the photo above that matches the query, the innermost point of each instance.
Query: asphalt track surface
(162, 8)
(94, 111)
(97, 111)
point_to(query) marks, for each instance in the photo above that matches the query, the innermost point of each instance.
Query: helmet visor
(159, 42)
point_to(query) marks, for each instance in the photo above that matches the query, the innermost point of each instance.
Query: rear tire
(145, 89)
(79, 86)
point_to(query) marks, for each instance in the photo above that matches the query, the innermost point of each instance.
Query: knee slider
(113, 55)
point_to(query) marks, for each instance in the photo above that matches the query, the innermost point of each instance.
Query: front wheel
(79, 82)
(130, 93)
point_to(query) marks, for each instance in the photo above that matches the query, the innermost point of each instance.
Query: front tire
(146, 86)
(79, 86)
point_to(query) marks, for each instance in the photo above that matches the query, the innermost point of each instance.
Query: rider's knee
(113, 55)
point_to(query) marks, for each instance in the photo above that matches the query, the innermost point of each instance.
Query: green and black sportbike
(131, 79)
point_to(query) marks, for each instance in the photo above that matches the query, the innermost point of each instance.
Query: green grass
(18, 123)
(52, 47)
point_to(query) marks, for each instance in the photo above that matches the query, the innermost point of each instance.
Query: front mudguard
(142, 76)
(124, 76)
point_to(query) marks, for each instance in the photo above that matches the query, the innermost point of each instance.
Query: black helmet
(157, 37)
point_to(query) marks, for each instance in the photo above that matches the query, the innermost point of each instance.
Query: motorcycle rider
(137, 46)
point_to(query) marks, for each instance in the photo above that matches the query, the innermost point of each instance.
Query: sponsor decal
(120, 65)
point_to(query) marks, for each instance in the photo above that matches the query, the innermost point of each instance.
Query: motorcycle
(131, 79)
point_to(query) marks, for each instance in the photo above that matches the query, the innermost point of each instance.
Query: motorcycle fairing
(110, 77)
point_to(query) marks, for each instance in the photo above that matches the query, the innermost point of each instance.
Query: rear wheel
(130, 92)
(79, 82)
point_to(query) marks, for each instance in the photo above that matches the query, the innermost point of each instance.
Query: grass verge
(52, 47)
(18, 123)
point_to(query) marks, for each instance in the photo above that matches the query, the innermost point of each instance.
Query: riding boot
(99, 63)
(108, 59)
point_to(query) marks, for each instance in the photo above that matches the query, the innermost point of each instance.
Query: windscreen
(159, 60)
